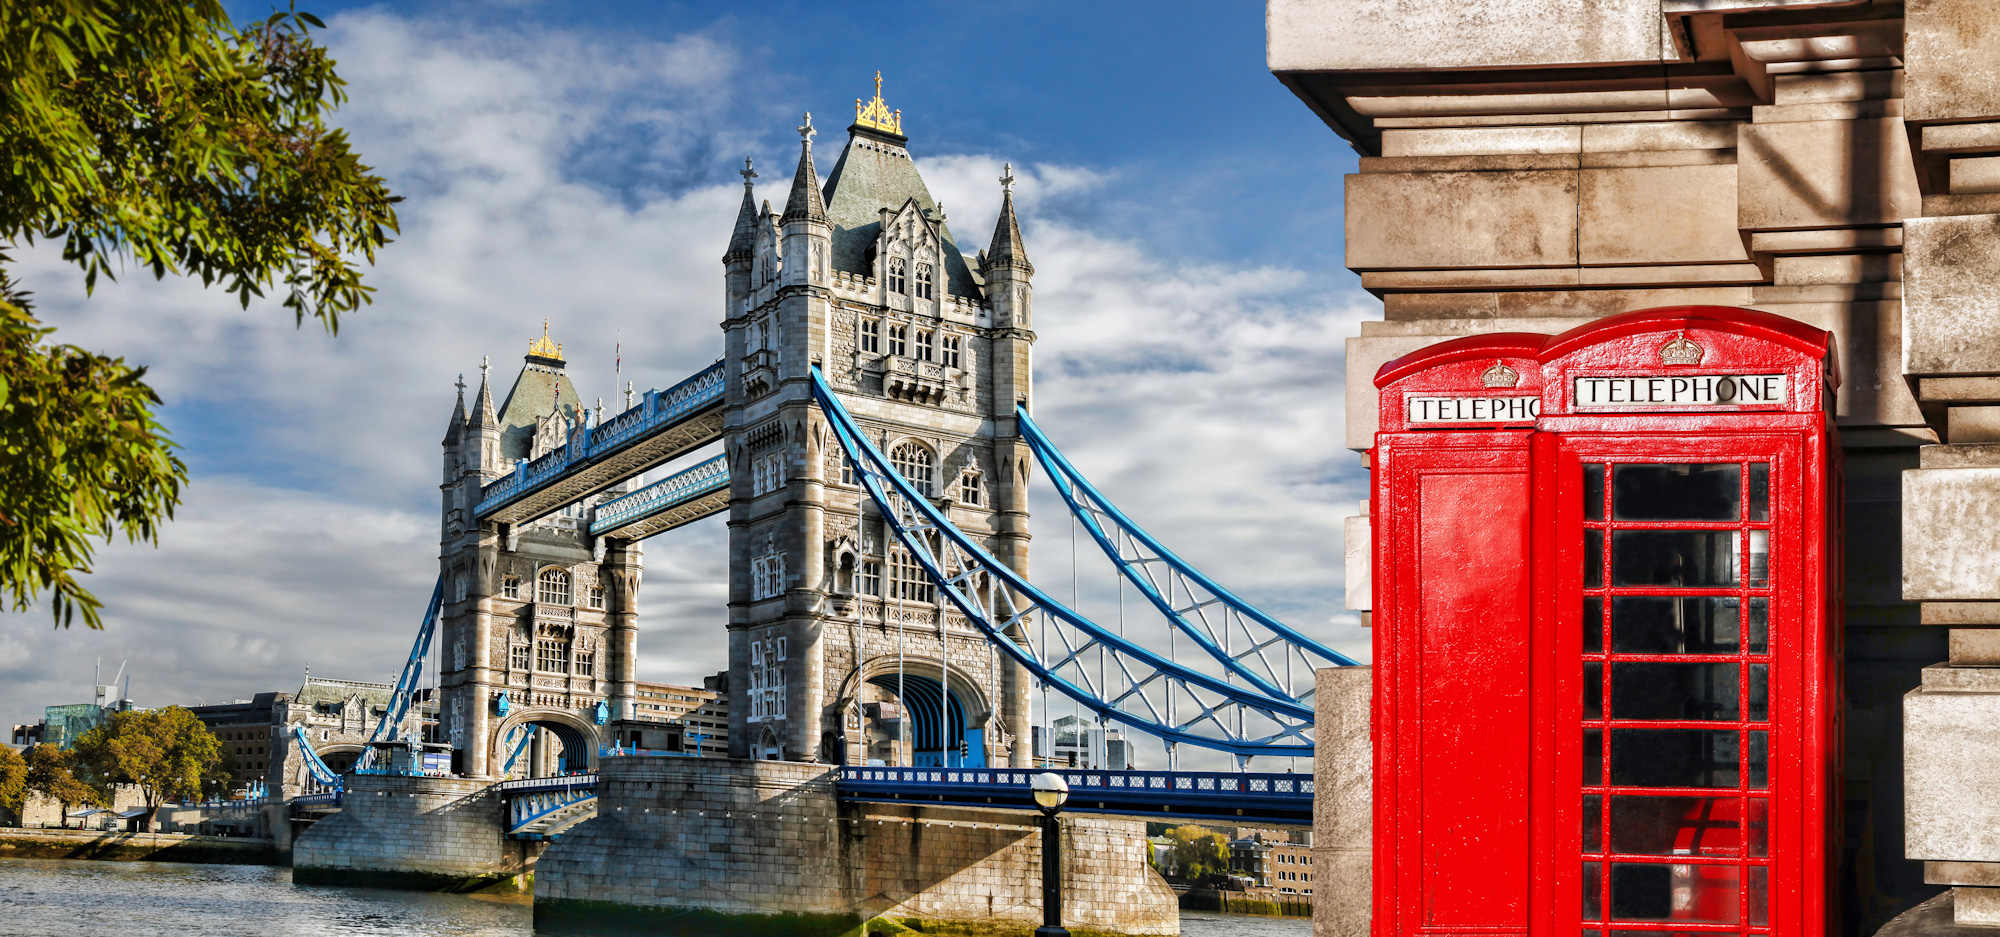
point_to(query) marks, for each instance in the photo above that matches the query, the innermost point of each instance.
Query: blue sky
(576, 162)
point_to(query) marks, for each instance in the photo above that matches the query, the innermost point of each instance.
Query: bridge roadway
(665, 425)
(542, 808)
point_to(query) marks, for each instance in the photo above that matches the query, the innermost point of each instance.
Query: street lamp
(1050, 792)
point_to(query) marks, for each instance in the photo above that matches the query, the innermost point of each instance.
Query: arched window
(914, 463)
(925, 289)
(552, 586)
(899, 275)
(551, 655)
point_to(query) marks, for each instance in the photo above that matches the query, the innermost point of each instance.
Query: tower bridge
(872, 404)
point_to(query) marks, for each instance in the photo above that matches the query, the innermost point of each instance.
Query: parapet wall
(412, 832)
(697, 842)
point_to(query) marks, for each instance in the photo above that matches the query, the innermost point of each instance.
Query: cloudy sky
(577, 163)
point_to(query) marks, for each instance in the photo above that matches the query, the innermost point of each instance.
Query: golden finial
(542, 347)
(876, 114)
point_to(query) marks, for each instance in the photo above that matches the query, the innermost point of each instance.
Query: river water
(69, 898)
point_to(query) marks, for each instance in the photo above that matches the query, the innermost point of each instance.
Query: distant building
(1274, 864)
(62, 725)
(1082, 743)
(248, 730)
(26, 736)
(673, 718)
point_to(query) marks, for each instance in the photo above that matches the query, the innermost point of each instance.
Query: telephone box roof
(1807, 340)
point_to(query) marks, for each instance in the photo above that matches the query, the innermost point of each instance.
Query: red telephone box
(1606, 630)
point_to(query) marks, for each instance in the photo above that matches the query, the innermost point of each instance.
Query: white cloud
(1204, 397)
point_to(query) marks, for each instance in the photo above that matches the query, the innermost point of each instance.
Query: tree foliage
(154, 131)
(167, 752)
(49, 774)
(13, 780)
(1199, 855)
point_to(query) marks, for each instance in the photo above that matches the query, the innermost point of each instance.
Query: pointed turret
(456, 430)
(482, 405)
(1007, 249)
(806, 202)
(743, 241)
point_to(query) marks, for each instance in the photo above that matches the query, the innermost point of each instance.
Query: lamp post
(1050, 793)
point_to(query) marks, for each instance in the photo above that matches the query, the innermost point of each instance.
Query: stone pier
(704, 846)
(1343, 802)
(436, 834)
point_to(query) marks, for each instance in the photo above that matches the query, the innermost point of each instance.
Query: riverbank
(16, 843)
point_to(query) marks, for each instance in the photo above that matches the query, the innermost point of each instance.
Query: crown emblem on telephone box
(1680, 351)
(1500, 375)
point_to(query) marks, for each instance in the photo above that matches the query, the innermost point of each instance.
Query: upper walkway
(665, 425)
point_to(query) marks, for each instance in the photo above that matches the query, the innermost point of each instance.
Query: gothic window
(595, 595)
(767, 474)
(552, 587)
(925, 282)
(907, 579)
(899, 340)
(458, 588)
(915, 464)
(899, 275)
(586, 663)
(551, 655)
(767, 576)
(871, 577)
(510, 587)
(951, 351)
(767, 678)
(517, 657)
(847, 471)
(968, 488)
(871, 336)
(924, 338)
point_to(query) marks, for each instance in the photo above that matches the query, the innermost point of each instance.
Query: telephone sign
(1607, 597)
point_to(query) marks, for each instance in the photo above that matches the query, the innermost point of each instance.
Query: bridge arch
(948, 712)
(576, 734)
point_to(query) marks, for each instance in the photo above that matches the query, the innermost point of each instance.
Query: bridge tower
(538, 614)
(839, 650)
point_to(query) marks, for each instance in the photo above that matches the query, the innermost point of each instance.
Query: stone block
(1970, 425)
(1977, 907)
(1328, 35)
(1814, 269)
(1975, 647)
(1951, 775)
(1951, 534)
(1971, 175)
(1343, 801)
(1824, 174)
(1359, 562)
(1986, 874)
(1951, 51)
(1951, 295)
(1659, 215)
(1837, 86)
(1482, 141)
(1365, 356)
(1872, 390)
(1461, 219)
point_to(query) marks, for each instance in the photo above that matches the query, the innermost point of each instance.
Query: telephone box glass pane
(1692, 894)
(1757, 627)
(1593, 889)
(1593, 558)
(1593, 757)
(1686, 558)
(1673, 758)
(1593, 691)
(1680, 492)
(1673, 692)
(1760, 558)
(1759, 827)
(1646, 624)
(1759, 760)
(1593, 821)
(1760, 491)
(1593, 491)
(1755, 691)
(1593, 625)
(1675, 826)
(1760, 890)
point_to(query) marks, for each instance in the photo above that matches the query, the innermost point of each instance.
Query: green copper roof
(875, 172)
(532, 397)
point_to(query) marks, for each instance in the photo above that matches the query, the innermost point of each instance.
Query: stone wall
(444, 834)
(765, 844)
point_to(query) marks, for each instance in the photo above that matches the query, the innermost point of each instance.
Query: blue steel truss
(660, 410)
(315, 765)
(1102, 671)
(1250, 644)
(391, 727)
(662, 496)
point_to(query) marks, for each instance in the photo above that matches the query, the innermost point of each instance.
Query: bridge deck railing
(1244, 797)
